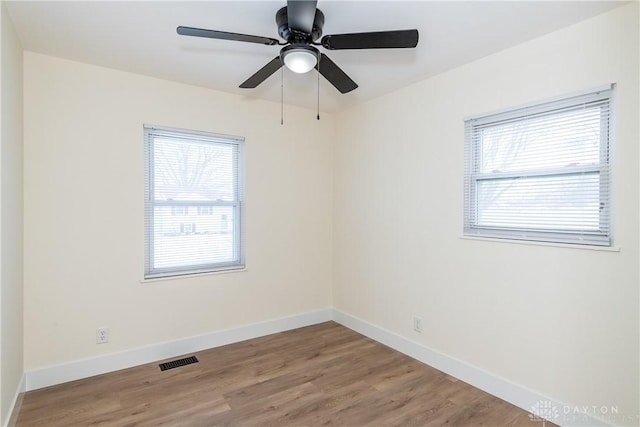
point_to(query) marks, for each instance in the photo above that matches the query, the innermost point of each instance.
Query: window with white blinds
(194, 202)
(541, 173)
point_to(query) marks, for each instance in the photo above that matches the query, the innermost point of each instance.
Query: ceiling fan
(300, 25)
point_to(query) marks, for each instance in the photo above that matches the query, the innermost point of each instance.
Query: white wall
(11, 198)
(559, 321)
(84, 253)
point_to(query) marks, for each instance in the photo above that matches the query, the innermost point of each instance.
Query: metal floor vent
(177, 363)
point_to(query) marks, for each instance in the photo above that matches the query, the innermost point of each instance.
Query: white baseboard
(558, 412)
(513, 393)
(16, 403)
(85, 368)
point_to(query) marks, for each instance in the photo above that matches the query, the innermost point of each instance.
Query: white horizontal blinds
(541, 173)
(194, 198)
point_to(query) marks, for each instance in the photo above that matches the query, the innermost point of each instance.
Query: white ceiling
(140, 37)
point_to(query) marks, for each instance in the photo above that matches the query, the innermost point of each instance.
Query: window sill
(555, 245)
(189, 276)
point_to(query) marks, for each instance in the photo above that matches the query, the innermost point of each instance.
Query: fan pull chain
(282, 96)
(318, 106)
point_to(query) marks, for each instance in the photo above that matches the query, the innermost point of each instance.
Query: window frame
(237, 205)
(473, 175)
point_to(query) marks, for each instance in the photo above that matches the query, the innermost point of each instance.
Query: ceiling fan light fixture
(300, 59)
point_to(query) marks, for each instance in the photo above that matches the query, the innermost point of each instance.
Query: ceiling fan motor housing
(292, 36)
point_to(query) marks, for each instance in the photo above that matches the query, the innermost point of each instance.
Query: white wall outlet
(102, 335)
(417, 324)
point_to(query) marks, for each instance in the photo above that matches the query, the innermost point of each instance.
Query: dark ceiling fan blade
(223, 35)
(375, 40)
(301, 15)
(261, 75)
(335, 75)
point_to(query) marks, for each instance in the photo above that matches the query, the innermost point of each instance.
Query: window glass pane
(550, 140)
(565, 202)
(192, 239)
(191, 171)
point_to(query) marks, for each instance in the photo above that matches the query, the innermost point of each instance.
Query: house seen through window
(194, 203)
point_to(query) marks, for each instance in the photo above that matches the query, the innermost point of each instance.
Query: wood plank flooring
(321, 375)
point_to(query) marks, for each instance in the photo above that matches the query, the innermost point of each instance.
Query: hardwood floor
(321, 375)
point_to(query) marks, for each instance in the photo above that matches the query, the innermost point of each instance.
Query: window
(179, 210)
(194, 205)
(205, 210)
(541, 173)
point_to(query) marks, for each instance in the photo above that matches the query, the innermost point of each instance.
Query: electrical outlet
(417, 324)
(102, 335)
